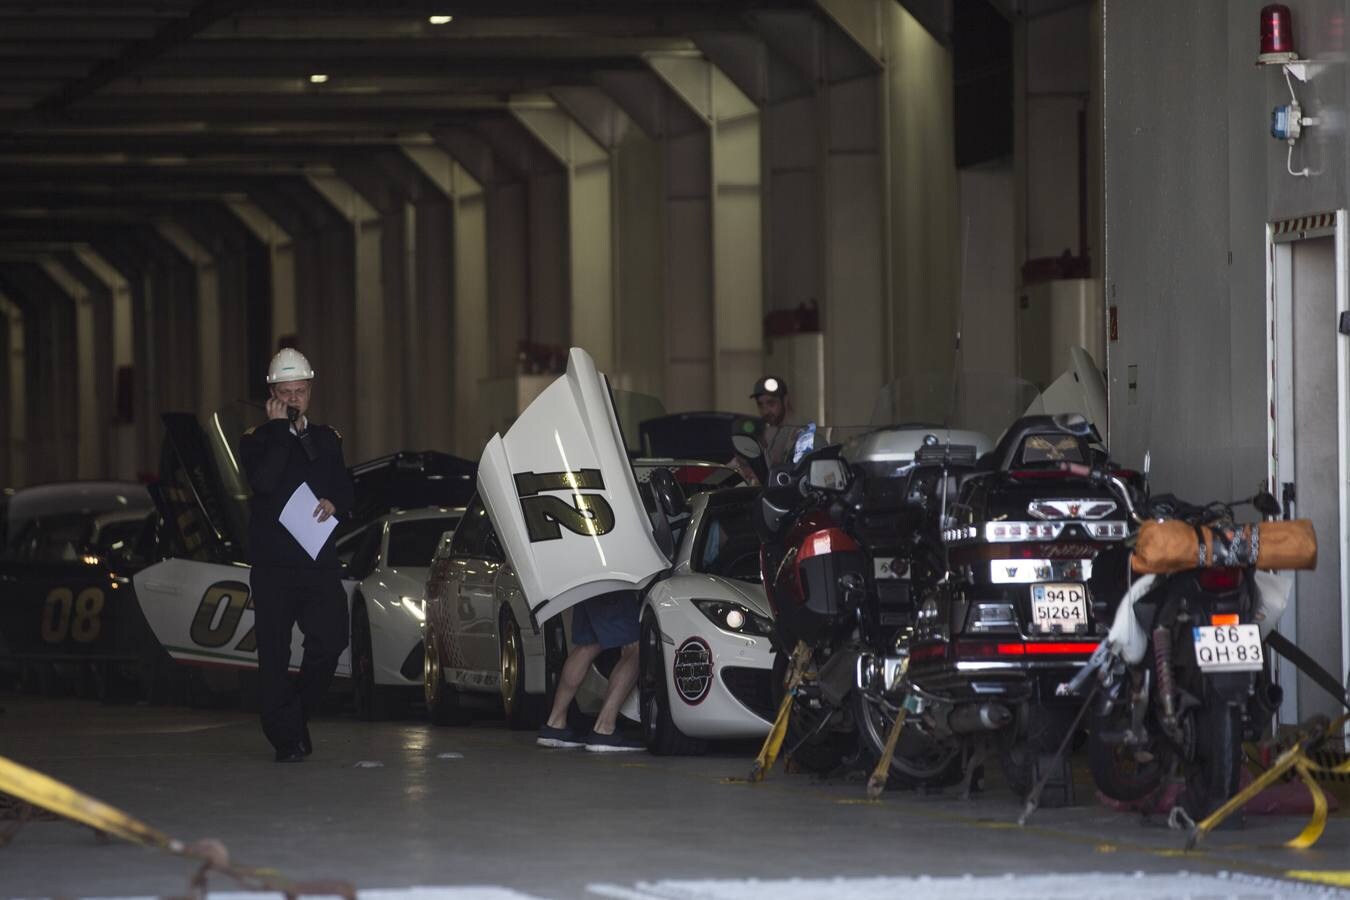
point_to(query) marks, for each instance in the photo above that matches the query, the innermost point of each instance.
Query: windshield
(726, 543)
(413, 543)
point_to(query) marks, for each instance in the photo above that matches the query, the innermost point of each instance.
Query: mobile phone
(292, 413)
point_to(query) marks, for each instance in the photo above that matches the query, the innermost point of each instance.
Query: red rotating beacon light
(1277, 35)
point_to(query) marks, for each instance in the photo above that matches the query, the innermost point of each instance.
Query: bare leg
(621, 681)
(573, 674)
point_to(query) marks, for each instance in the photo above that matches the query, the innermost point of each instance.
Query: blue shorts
(610, 620)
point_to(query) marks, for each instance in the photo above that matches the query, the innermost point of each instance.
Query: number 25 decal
(546, 515)
(65, 614)
(212, 627)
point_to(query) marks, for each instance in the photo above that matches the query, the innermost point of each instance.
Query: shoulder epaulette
(337, 433)
(250, 431)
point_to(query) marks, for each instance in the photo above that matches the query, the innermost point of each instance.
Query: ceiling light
(318, 79)
(440, 20)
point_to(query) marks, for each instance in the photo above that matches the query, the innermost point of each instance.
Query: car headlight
(735, 617)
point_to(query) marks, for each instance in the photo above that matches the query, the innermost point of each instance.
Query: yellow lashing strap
(1296, 758)
(773, 743)
(31, 786)
(35, 788)
(877, 783)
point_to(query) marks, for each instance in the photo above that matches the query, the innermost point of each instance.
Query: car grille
(753, 688)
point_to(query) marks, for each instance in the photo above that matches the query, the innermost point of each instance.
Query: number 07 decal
(213, 628)
(546, 516)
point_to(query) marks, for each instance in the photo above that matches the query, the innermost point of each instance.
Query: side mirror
(827, 475)
(746, 446)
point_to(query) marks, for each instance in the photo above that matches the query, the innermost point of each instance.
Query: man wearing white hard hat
(288, 584)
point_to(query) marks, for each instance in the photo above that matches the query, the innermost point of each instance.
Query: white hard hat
(289, 365)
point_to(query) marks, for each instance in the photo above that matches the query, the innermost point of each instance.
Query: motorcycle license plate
(1058, 608)
(1228, 648)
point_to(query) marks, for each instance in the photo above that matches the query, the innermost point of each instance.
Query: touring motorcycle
(902, 554)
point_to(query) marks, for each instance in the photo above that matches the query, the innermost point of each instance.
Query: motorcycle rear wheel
(1213, 773)
(919, 759)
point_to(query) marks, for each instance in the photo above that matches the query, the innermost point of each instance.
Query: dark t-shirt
(276, 464)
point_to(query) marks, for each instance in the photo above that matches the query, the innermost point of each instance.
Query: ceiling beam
(137, 53)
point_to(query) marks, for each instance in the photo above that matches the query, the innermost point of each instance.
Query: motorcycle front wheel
(920, 760)
(1117, 770)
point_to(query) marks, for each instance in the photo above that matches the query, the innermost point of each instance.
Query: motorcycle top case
(562, 497)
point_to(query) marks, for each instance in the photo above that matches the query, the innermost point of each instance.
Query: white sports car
(706, 652)
(562, 518)
(202, 614)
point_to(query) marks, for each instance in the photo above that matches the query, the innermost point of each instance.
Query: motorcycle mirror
(827, 475)
(1266, 504)
(746, 446)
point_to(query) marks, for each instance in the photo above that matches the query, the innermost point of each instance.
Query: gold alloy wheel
(431, 672)
(510, 668)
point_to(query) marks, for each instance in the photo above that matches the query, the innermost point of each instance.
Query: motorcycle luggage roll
(1175, 546)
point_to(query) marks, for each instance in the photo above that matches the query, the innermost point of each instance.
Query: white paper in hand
(299, 519)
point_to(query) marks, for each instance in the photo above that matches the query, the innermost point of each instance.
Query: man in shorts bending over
(600, 623)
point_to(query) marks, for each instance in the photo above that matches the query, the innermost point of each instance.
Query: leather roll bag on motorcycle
(1022, 605)
(1185, 672)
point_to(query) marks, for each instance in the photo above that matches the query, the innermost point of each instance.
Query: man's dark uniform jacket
(276, 464)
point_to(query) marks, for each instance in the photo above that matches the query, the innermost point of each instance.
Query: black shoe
(291, 753)
(306, 745)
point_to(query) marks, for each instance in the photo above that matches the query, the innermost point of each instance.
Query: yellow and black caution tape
(882, 773)
(1298, 758)
(47, 793)
(773, 743)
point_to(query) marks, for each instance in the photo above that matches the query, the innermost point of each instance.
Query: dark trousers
(317, 601)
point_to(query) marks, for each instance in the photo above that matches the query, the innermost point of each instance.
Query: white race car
(202, 614)
(562, 519)
(706, 652)
(197, 601)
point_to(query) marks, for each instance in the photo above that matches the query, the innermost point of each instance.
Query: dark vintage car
(68, 618)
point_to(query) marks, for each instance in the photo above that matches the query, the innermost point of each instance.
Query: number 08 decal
(66, 614)
(218, 616)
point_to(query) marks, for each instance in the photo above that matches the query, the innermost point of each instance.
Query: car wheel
(442, 703)
(523, 710)
(372, 701)
(659, 731)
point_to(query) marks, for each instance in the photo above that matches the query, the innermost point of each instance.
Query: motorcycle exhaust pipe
(970, 718)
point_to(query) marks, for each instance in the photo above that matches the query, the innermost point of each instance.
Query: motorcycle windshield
(969, 400)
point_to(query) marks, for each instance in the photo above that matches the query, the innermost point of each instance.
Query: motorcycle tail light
(1224, 619)
(1219, 580)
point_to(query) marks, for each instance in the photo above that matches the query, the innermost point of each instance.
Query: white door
(1309, 399)
(561, 494)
